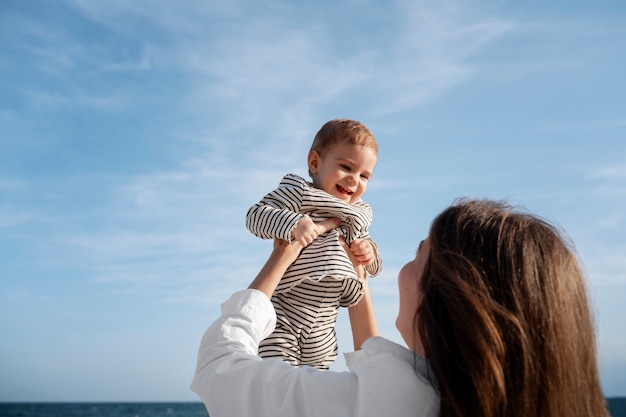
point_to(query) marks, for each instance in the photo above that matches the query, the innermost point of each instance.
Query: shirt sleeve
(361, 224)
(276, 215)
(393, 381)
(232, 380)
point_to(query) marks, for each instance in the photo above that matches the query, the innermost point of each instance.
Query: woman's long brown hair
(505, 319)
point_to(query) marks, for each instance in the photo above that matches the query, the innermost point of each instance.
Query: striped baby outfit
(321, 280)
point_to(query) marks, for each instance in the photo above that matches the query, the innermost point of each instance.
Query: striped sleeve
(361, 220)
(276, 215)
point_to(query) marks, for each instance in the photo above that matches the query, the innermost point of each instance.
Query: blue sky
(135, 135)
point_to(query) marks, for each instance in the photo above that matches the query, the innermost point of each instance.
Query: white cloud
(586, 125)
(11, 217)
(615, 172)
(276, 71)
(606, 265)
(430, 53)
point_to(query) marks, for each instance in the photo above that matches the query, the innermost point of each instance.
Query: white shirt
(385, 379)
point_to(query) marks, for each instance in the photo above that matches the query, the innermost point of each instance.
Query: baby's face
(343, 171)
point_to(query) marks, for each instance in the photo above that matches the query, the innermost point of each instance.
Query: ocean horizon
(617, 408)
(103, 409)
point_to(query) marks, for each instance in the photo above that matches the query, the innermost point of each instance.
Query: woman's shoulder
(381, 347)
(391, 371)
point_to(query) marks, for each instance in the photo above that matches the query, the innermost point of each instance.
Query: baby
(341, 162)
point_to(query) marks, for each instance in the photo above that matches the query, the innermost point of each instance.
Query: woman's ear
(313, 161)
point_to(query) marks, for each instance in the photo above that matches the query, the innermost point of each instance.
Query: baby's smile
(343, 190)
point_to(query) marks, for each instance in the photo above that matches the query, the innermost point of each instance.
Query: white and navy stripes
(278, 213)
(321, 280)
(305, 324)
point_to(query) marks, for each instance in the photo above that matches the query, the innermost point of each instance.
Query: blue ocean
(182, 409)
(617, 407)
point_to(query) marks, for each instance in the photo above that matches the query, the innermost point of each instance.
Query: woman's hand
(363, 251)
(362, 316)
(306, 231)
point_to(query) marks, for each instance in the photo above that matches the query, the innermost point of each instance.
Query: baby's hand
(363, 251)
(307, 231)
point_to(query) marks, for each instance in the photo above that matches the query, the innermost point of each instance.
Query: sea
(617, 408)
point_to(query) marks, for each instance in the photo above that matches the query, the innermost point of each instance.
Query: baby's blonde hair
(343, 131)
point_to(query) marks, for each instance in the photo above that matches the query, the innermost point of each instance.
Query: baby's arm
(276, 215)
(305, 231)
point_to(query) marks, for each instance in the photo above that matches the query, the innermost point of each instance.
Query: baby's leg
(320, 348)
(318, 343)
(284, 342)
(351, 292)
(281, 344)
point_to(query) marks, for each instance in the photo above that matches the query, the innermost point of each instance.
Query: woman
(494, 313)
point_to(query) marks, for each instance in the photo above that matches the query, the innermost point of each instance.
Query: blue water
(617, 407)
(103, 410)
